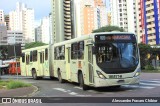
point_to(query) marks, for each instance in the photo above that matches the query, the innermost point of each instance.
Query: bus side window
(27, 59)
(74, 54)
(31, 56)
(41, 58)
(62, 52)
(46, 54)
(55, 54)
(23, 57)
(81, 50)
(35, 55)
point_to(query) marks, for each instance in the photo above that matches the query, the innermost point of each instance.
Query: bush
(16, 84)
(149, 67)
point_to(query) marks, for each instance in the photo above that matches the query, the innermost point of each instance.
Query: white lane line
(73, 93)
(149, 81)
(60, 89)
(138, 86)
(78, 87)
(150, 84)
(70, 92)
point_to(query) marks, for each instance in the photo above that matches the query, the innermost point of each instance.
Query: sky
(41, 8)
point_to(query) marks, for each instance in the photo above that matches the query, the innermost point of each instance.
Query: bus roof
(35, 48)
(89, 36)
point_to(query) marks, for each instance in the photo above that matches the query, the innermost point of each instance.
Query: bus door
(90, 64)
(27, 66)
(68, 60)
(41, 62)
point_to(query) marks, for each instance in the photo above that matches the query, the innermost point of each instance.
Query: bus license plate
(115, 76)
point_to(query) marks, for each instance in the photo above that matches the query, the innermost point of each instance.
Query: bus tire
(34, 74)
(81, 81)
(60, 77)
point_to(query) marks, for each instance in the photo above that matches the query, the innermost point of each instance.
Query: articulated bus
(96, 60)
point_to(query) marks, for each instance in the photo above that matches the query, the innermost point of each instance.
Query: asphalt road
(149, 87)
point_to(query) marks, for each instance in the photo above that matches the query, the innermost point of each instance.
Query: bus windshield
(116, 56)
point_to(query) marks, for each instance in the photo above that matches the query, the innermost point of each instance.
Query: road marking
(150, 84)
(138, 86)
(70, 92)
(60, 89)
(78, 87)
(73, 93)
(148, 81)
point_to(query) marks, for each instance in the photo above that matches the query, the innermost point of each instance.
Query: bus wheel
(60, 77)
(34, 74)
(81, 81)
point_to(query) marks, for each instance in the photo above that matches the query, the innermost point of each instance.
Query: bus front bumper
(114, 82)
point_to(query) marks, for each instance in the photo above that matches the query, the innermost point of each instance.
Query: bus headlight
(138, 72)
(100, 75)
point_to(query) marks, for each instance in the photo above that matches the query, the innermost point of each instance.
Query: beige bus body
(36, 62)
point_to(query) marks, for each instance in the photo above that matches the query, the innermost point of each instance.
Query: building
(58, 20)
(7, 22)
(15, 37)
(88, 19)
(45, 30)
(1, 15)
(22, 19)
(73, 18)
(43, 33)
(38, 34)
(3, 34)
(50, 28)
(123, 14)
(149, 21)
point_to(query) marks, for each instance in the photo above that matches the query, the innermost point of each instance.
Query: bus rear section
(35, 62)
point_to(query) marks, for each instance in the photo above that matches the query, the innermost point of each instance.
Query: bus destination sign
(115, 37)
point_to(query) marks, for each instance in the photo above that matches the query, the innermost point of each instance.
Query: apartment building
(22, 19)
(6, 17)
(123, 14)
(73, 18)
(149, 21)
(3, 34)
(15, 37)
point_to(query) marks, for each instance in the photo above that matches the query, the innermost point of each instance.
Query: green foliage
(149, 67)
(3, 51)
(147, 54)
(34, 44)
(108, 29)
(17, 84)
(144, 51)
(13, 84)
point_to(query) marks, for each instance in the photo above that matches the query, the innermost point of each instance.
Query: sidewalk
(19, 92)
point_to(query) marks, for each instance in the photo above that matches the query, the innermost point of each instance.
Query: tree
(109, 28)
(3, 52)
(34, 44)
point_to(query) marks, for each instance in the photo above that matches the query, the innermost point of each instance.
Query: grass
(13, 84)
(151, 71)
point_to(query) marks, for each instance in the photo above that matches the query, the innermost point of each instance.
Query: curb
(33, 93)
